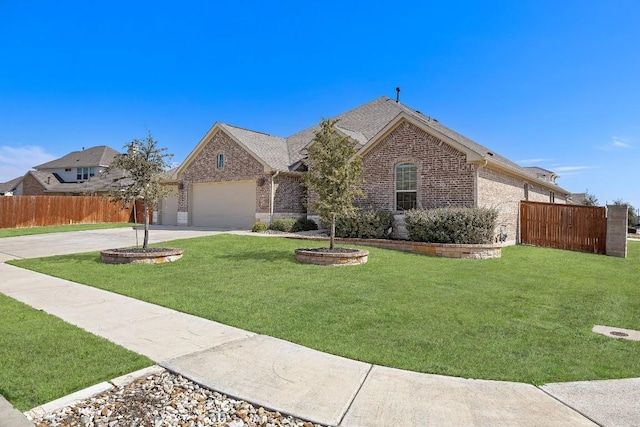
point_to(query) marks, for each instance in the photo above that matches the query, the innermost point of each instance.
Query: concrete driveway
(41, 245)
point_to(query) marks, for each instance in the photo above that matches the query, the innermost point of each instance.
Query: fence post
(617, 230)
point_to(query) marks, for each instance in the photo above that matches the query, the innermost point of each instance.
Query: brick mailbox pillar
(617, 230)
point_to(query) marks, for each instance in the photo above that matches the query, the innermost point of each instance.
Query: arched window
(220, 161)
(406, 186)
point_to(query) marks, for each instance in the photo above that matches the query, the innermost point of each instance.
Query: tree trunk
(145, 243)
(333, 231)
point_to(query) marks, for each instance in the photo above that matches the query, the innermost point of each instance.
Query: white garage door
(169, 210)
(224, 205)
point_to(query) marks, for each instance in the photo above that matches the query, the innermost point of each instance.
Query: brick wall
(289, 195)
(31, 186)
(504, 192)
(444, 176)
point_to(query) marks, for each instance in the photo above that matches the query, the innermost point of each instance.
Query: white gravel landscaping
(164, 399)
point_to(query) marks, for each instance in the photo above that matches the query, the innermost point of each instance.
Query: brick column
(617, 230)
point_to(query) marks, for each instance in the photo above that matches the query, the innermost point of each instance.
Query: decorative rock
(147, 402)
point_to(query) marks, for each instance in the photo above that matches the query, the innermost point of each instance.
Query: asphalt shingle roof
(94, 156)
(361, 124)
(271, 149)
(98, 183)
(10, 185)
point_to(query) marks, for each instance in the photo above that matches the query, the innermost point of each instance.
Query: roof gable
(268, 150)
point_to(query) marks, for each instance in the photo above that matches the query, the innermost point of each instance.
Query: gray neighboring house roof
(10, 186)
(539, 172)
(99, 183)
(94, 156)
(100, 156)
(362, 124)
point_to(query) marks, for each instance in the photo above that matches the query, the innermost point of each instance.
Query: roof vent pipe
(397, 94)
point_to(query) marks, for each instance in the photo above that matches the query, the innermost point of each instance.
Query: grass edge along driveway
(525, 317)
(43, 358)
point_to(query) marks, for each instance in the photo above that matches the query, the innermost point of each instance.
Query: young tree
(143, 164)
(334, 173)
(589, 199)
(632, 218)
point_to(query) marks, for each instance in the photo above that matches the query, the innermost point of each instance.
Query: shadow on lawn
(285, 255)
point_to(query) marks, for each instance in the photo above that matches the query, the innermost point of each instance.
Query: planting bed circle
(140, 256)
(335, 256)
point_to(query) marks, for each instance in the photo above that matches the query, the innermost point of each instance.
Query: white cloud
(16, 161)
(616, 144)
(532, 161)
(572, 168)
(620, 143)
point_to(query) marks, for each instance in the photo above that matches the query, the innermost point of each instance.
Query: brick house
(77, 173)
(236, 176)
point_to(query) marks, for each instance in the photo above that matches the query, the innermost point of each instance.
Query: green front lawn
(13, 232)
(43, 358)
(525, 317)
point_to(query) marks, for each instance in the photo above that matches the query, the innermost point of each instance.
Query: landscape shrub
(304, 224)
(259, 227)
(364, 224)
(452, 225)
(285, 225)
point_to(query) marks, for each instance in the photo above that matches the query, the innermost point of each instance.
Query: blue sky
(554, 84)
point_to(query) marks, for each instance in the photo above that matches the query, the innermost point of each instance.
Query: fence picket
(573, 227)
(37, 211)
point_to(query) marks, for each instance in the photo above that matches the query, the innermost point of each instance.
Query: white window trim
(396, 191)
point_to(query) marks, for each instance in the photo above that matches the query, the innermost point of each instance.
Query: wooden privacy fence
(573, 227)
(36, 211)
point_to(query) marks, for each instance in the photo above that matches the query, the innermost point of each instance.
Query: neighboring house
(77, 173)
(167, 212)
(578, 198)
(547, 175)
(11, 188)
(236, 176)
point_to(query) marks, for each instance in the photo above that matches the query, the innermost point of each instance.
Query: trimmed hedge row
(363, 224)
(452, 225)
(292, 225)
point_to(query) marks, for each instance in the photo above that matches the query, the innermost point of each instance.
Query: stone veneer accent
(355, 257)
(444, 176)
(617, 225)
(433, 249)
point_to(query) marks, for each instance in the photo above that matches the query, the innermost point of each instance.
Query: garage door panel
(224, 205)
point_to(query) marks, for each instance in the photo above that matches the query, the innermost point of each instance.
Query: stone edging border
(486, 251)
(87, 393)
(119, 256)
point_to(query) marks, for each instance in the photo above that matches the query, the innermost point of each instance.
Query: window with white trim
(83, 174)
(406, 186)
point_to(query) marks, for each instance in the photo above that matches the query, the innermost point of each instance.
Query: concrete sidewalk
(310, 384)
